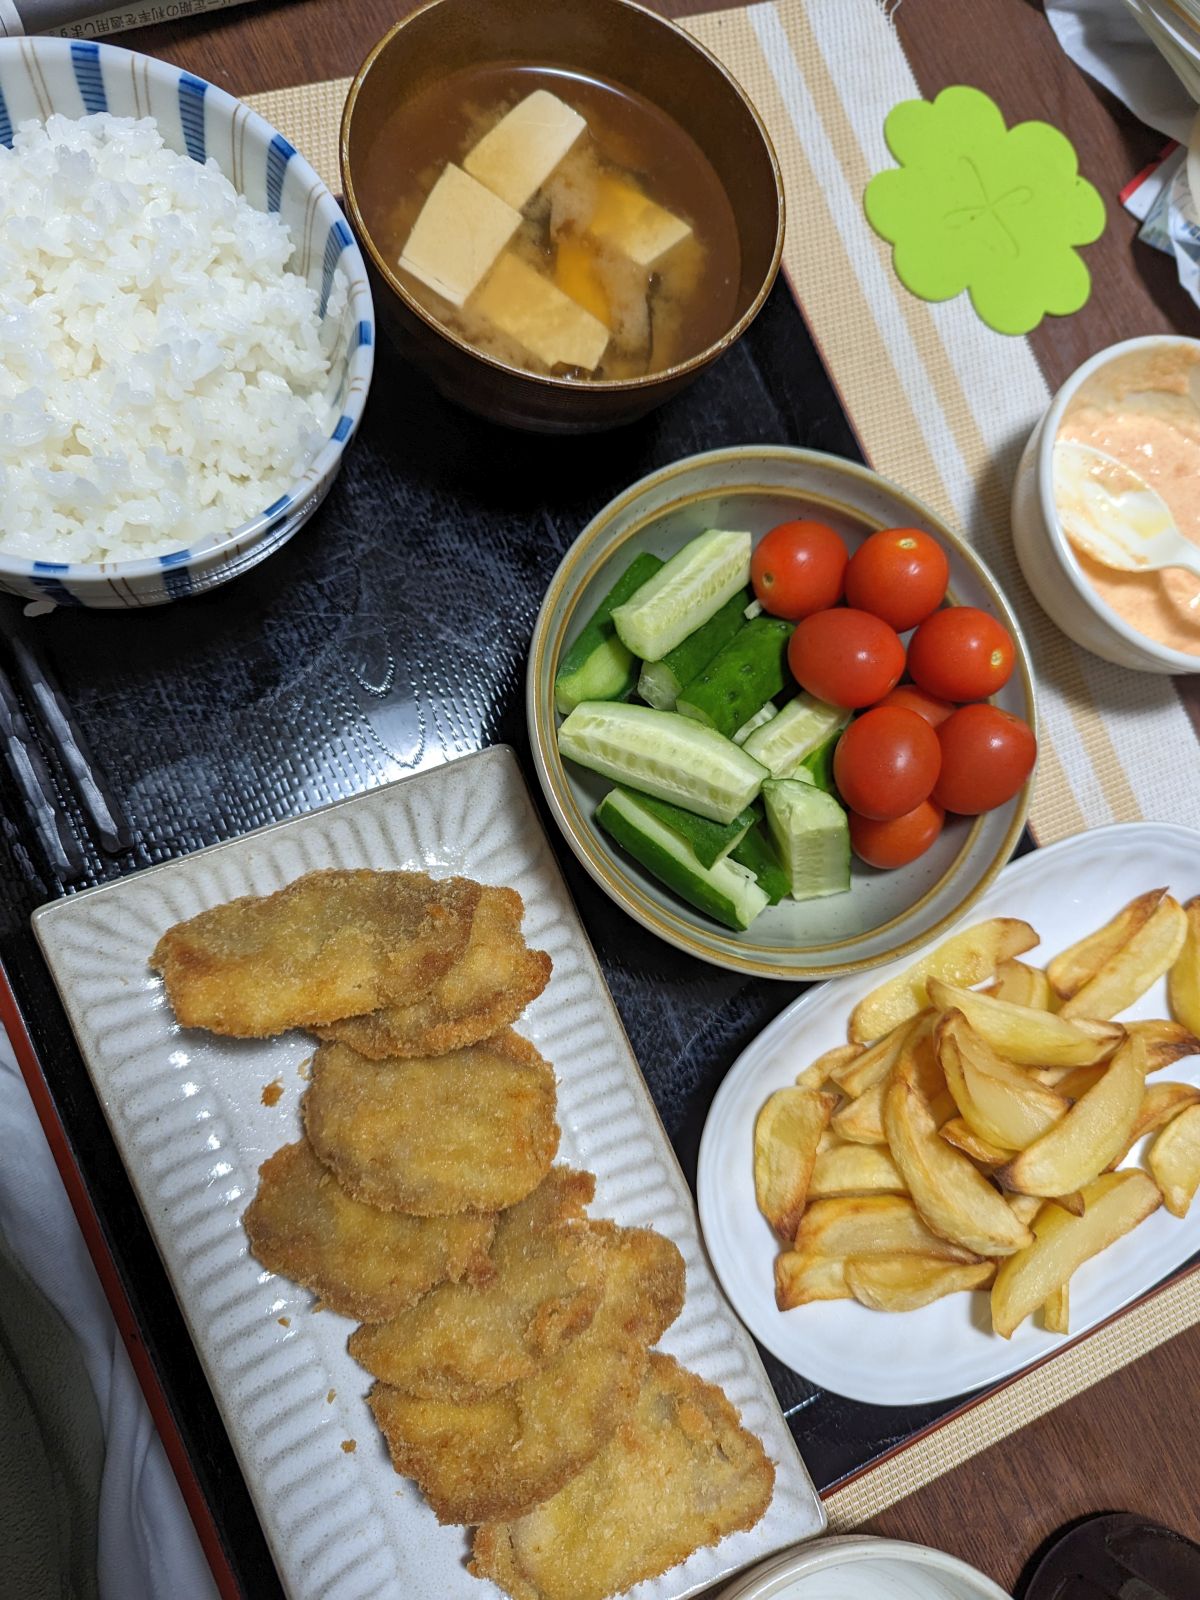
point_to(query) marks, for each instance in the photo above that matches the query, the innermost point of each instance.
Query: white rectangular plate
(946, 1348)
(186, 1110)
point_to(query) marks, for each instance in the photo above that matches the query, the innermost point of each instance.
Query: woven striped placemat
(943, 405)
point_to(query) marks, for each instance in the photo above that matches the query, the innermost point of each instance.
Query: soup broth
(588, 237)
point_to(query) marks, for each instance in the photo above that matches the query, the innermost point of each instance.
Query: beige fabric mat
(943, 405)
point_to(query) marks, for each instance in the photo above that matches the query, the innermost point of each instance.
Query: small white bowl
(77, 77)
(1058, 582)
(868, 1569)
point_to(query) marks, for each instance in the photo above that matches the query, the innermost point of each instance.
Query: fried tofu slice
(433, 1135)
(496, 1458)
(485, 990)
(464, 1340)
(358, 1261)
(330, 945)
(680, 1473)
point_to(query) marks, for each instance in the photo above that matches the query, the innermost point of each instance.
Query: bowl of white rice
(186, 330)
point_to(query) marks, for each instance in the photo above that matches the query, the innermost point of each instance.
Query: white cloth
(148, 1549)
(1106, 40)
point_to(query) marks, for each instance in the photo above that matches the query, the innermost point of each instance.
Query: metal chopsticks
(32, 777)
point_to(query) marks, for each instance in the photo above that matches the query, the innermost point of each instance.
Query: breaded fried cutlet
(485, 990)
(463, 1341)
(330, 945)
(495, 1459)
(432, 1135)
(680, 1472)
(359, 1261)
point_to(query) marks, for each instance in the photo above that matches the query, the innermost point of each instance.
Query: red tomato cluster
(917, 751)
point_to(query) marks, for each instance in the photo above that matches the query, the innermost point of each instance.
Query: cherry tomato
(897, 842)
(986, 756)
(886, 762)
(799, 568)
(899, 574)
(960, 653)
(847, 658)
(934, 711)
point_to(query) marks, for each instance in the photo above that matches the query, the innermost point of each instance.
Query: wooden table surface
(1129, 1443)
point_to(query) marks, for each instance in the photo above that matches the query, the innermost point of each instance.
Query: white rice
(161, 373)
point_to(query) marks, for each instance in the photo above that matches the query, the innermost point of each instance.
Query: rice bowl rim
(302, 494)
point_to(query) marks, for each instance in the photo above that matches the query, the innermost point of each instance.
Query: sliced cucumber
(803, 724)
(763, 714)
(750, 669)
(692, 586)
(710, 841)
(598, 666)
(663, 754)
(661, 681)
(756, 852)
(817, 765)
(725, 890)
(812, 835)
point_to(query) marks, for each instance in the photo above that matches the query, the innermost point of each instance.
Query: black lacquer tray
(389, 635)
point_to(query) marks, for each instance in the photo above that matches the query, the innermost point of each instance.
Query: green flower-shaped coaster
(975, 205)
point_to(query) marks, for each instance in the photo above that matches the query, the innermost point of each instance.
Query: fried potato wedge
(1073, 1082)
(826, 1066)
(1115, 1204)
(1025, 1206)
(786, 1135)
(997, 1100)
(962, 1136)
(802, 1277)
(906, 1283)
(876, 1062)
(1127, 974)
(1027, 1037)
(965, 958)
(861, 1120)
(1094, 1130)
(1175, 1161)
(952, 1195)
(1056, 1310)
(855, 1169)
(1161, 1103)
(1166, 1042)
(1183, 983)
(1073, 1202)
(1078, 964)
(1023, 985)
(872, 1225)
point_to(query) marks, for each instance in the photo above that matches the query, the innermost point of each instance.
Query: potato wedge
(1175, 1161)
(877, 1060)
(1027, 1037)
(1094, 1130)
(1128, 973)
(1115, 1203)
(1166, 1042)
(855, 1169)
(825, 1066)
(965, 958)
(1074, 1082)
(952, 1195)
(1079, 963)
(861, 1120)
(1161, 1103)
(1056, 1309)
(998, 1100)
(786, 1134)
(1023, 985)
(872, 1225)
(1073, 1202)
(801, 1278)
(905, 1283)
(962, 1136)
(1025, 1206)
(1183, 984)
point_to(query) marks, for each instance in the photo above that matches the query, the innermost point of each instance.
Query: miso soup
(559, 223)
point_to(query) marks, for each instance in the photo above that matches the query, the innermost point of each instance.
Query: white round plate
(947, 1348)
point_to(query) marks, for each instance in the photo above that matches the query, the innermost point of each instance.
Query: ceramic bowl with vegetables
(782, 713)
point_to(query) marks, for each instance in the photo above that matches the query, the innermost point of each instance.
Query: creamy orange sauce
(1140, 410)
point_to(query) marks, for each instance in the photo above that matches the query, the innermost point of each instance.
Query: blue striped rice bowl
(40, 76)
